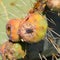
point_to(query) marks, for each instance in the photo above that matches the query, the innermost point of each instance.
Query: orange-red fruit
(12, 29)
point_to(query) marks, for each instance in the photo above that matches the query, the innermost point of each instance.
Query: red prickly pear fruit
(12, 29)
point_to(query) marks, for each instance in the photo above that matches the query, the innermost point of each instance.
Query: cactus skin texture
(12, 29)
(12, 51)
(34, 28)
(54, 5)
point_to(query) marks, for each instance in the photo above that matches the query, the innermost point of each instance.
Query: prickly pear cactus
(11, 9)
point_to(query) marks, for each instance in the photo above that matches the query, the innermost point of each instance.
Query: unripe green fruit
(12, 51)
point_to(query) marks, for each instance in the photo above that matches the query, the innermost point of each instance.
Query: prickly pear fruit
(12, 51)
(54, 5)
(12, 29)
(18, 51)
(34, 28)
